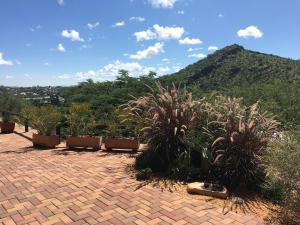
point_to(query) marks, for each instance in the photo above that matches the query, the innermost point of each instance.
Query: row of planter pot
(86, 142)
(76, 142)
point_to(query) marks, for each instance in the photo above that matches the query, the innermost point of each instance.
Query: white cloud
(194, 49)
(165, 33)
(160, 33)
(212, 48)
(251, 31)
(137, 18)
(8, 77)
(85, 46)
(119, 24)
(162, 3)
(60, 48)
(60, 2)
(146, 70)
(36, 28)
(220, 15)
(163, 70)
(46, 64)
(5, 62)
(91, 26)
(181, 12)
(145, 35)
(72, 34)
(110, 71)
(91, 74)
(149, 52)
(190, 41)
(18, 62)
(165, 60)
(177, 68)
(64, 77)
(28, 76)
(198, 56)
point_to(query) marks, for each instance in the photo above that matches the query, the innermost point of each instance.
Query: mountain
(232, 71)
(234, 65)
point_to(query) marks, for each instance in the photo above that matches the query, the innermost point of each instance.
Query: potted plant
(121, 143)
(121, 136)
(10, 106)
(81, 123)
(7, 124)
(44, 120)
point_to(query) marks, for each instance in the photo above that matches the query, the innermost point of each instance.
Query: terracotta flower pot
(121, 143)
(7, 127)
(83, 142)
(45, 141)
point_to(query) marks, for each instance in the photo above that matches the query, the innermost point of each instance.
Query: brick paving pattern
(64, 187)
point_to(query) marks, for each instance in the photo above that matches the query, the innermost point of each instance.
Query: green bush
(150, 159)
(144, 174)
(240, 136)
(272, 190)
(11, 105)
(282, 161)
(81, 120)
(223, 138)
(44, 119)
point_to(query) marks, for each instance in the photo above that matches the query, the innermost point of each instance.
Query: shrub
(150, 159)
(240, 136)
(44, 119)
(282, 161)
(144, 174)
(11, 105)
(166, 118)
(81, 120)
(272, 190)
(120, 125)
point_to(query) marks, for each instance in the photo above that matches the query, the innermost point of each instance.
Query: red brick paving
(63, 187)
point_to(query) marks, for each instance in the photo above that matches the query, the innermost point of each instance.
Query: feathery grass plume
(165, 119)
(240, 136)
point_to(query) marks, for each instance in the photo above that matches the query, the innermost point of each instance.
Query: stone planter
(207, 189)
(45, 141)
(84, 142)
(121, 143)
(7, 128)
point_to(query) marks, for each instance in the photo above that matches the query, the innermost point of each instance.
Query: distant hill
(254, 76)
(232, 71)
(234, 65)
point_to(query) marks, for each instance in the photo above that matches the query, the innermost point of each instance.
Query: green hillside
(233, 71)
(236, 65)
(255, 76)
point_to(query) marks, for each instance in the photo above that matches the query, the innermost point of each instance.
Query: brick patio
(65, 187)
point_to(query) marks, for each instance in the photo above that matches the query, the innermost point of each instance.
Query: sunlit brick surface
(62, 187)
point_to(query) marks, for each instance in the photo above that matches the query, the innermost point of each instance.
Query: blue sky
(63, 42)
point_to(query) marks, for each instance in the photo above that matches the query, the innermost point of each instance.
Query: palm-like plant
(44, 119)
(240, 135)
(81, 120)
(10, 105)
(165, 120)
